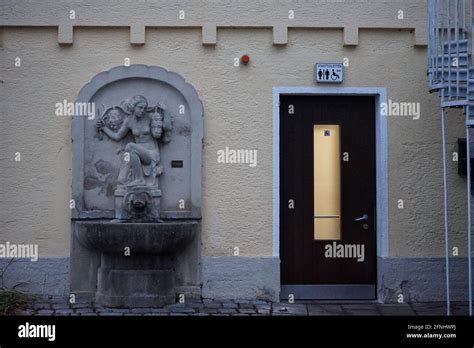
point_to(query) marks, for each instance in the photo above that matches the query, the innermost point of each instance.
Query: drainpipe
(468, 156)
(445, 188)
(469, 227)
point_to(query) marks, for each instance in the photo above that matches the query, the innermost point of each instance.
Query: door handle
(363, 218)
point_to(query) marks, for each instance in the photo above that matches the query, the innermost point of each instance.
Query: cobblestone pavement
(60, 306)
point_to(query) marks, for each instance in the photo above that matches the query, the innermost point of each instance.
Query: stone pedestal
(137, 260)
(138, 281)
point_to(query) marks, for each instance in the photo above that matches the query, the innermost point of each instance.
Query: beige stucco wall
(237, 199)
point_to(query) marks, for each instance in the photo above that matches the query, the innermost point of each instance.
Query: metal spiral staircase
(451, 74)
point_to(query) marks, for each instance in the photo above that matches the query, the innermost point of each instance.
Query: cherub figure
(113, 118)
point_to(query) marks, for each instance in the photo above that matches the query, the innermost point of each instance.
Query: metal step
(455, 96)
(444, 75)
(462, 84)
(454, 103)
(452, 91)
(461, 97)
(450, 61)
(463, 46)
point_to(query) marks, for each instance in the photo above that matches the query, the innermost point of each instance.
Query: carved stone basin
(137, 260)
(141, 238)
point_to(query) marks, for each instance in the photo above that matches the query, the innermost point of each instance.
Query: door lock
(363, 218)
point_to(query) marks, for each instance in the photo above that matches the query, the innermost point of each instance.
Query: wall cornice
(210, 15)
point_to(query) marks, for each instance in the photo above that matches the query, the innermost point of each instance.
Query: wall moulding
(347, 16)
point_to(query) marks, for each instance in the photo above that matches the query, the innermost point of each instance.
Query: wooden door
(327, 197)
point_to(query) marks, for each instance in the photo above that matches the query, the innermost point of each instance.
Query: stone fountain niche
(137, 189)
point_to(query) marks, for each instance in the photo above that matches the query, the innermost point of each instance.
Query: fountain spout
(139, 205)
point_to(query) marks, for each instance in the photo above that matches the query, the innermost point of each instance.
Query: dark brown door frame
(380, 95)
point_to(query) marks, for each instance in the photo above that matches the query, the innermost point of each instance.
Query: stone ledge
(420, 279)
(229, 277)
(47, 276)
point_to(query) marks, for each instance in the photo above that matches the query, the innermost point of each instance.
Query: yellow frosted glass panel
(327, 228)
(327, 182)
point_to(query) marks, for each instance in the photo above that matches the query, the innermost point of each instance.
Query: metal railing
(451, 73)
(450, 51)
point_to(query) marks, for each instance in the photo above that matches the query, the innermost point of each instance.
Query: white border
(381, 136)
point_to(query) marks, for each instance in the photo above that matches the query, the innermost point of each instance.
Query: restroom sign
(329, 72)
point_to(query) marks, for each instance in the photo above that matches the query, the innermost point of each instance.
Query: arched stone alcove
(136, 108)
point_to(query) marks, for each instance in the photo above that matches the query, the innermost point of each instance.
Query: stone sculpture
(138, 192)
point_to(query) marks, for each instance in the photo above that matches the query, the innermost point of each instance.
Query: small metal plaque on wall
(329, 72)
(176, 164)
